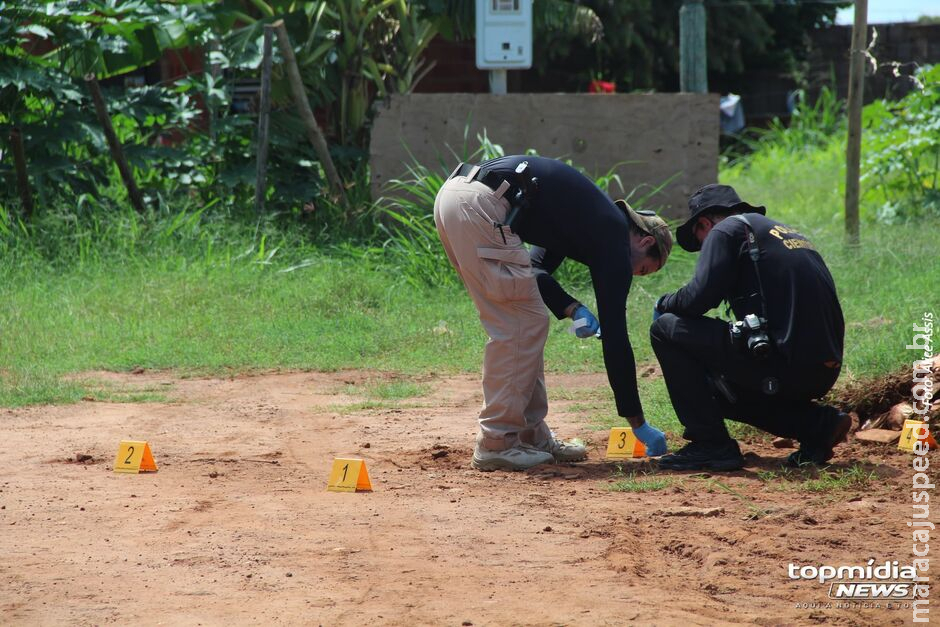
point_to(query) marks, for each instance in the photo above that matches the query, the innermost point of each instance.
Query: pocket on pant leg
(506, 273)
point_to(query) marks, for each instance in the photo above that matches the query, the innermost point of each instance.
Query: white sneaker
(519, 457)
(571, 451)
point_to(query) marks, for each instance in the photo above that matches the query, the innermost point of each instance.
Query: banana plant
(406, 66)
(350, 52)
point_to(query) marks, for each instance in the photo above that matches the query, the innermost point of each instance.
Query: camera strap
(753, 251)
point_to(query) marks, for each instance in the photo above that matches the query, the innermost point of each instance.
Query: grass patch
(389, 390)
(111, 392)
(217, 298)
(639, 482)
(815, 481)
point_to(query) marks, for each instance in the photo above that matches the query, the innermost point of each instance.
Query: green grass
(389, 390)
(108, 392)
(201, 297)
(812, 480)
(635, 482)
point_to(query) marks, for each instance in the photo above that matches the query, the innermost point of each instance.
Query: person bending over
(484, 213)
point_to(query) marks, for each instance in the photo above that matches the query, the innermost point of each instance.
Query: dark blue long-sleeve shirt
(570, 217)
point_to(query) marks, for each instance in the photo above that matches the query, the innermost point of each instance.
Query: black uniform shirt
(803, 310)
(571, 217)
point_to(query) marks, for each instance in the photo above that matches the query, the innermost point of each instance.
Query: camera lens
(759, 346)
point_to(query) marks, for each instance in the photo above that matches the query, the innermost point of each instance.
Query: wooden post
(264, 118)
(214, 71)
(22, 177)
(117, 153)
(853, 148)
(303, 107)
(693, 53)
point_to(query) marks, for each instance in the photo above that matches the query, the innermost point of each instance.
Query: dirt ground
(237, 526)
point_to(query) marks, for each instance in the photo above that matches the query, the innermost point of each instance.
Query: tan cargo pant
(498, 275)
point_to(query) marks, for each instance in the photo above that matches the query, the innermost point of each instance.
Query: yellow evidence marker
(622, 444)
(349, 475)
(133, 457)
(910, 432)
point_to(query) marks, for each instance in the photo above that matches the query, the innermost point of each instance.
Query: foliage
(903, 150)
(105, 38)
(640, 44)
(900, 148)
(46, 48)
(811, 125)
(349, 52)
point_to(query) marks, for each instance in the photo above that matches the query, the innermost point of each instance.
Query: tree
(640, 44)
(349, 52)
(45, 49)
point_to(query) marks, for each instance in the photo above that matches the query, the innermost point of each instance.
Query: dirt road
(237, 527)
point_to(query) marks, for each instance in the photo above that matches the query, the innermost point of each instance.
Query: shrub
(903, 150)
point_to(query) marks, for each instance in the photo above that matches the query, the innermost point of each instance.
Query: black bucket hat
(712, 196)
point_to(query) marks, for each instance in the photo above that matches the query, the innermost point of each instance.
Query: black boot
(836, 429)
(704, 456)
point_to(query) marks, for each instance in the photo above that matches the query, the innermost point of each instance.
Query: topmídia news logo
(884, 582)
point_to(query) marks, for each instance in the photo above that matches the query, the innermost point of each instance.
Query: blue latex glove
(656, 312)
(652, 438)
(592, 326)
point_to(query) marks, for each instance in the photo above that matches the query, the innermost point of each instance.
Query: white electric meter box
(504, 34)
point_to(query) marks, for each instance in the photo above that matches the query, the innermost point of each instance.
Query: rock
(547, 529)
(878, 436)
(783, 443)
(863, 506)
(213, 474)
(699, 512)
(439, 454)
(367, 445)
(83, 457)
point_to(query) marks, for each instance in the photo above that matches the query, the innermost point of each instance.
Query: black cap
(712, 196)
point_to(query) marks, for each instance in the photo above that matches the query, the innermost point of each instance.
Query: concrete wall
(654, 136)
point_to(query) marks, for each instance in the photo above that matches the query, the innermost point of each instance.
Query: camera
(750, 335)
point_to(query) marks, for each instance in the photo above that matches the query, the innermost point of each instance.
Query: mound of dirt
(885, 400)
